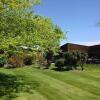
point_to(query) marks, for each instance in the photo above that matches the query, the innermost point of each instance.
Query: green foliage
(72, 60)
(60, 63)
(14, 51)
(20, 26)
(84, 56)
(3, 60)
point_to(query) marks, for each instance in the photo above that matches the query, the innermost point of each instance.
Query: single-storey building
(93, 51)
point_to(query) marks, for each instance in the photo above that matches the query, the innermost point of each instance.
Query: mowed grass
(31, 83)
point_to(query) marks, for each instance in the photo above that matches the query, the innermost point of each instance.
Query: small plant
(3, 60)
(69, 60)
(59, 63)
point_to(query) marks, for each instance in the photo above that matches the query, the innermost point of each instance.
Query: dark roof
(98, 45)
(73, 44)
(79, 45)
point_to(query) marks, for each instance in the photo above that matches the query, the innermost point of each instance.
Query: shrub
(59, 63)
(69, 60)
(3, 60)
(83, 60)
(15, 61)
(15, 58)
(28, 59)
(13, 53)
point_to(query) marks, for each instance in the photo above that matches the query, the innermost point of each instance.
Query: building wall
(74, 47)
(93, 51)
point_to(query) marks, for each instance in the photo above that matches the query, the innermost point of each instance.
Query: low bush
(71, 60)
(15, 61)
(28, 59)
(3, 60)
(15, 58)
(59, 63)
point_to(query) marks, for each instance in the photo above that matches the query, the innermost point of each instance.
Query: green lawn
(31, 83)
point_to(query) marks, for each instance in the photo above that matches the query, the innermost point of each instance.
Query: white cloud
(90, 43)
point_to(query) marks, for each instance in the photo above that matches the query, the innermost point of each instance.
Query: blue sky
(78, 17)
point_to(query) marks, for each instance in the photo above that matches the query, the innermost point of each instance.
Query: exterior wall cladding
(93, 51)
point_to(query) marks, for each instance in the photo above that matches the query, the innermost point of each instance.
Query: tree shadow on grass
(10, 85)
(61, 70)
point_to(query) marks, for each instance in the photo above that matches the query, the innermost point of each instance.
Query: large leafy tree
(46, 33)
(15, 16)
(20, 26)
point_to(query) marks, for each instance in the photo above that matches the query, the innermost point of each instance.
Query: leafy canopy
(19, 25)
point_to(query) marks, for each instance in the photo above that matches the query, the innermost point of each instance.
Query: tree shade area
(28, 83)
